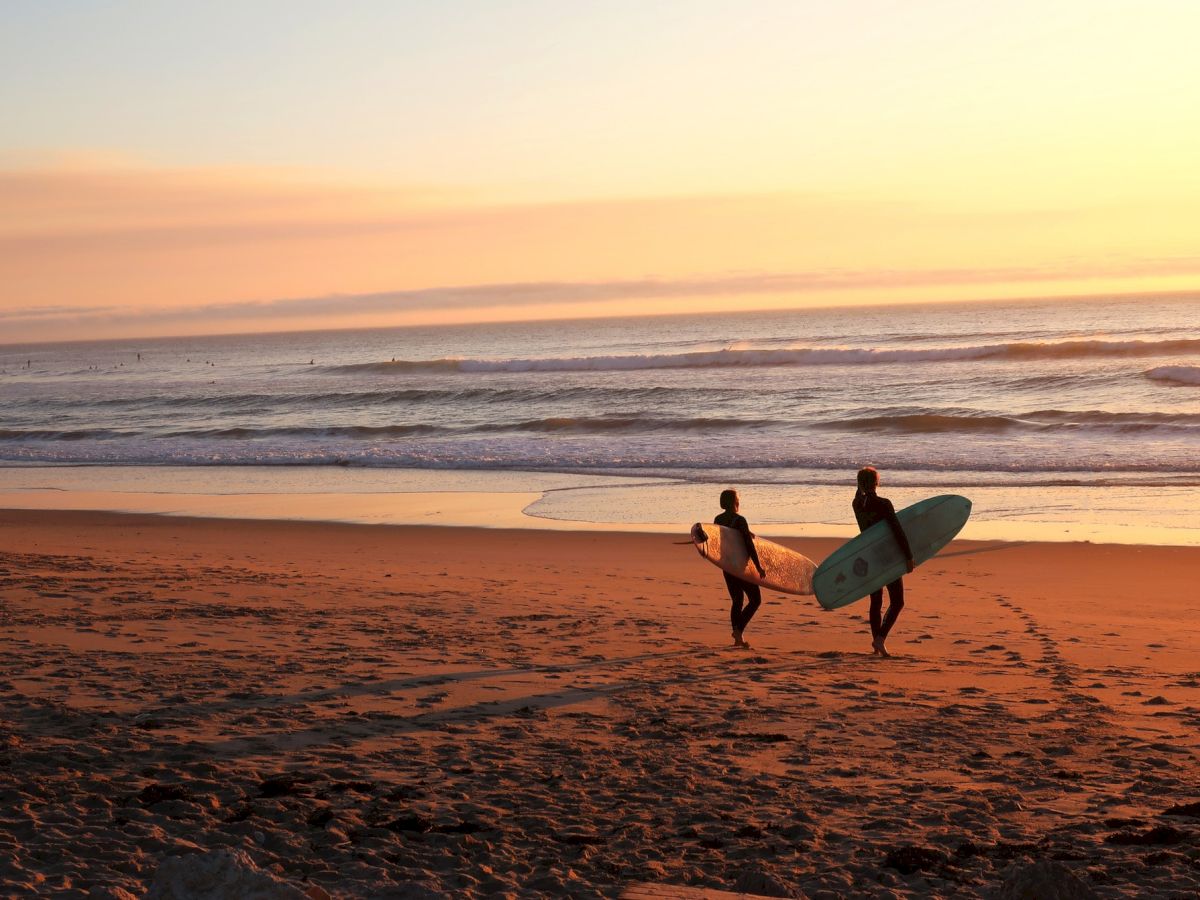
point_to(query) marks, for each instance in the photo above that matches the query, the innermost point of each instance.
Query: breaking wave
(1183, 375)
(790, 356)
(944, 421)
(581, 425)
(1039, 420)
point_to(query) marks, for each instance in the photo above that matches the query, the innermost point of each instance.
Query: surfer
(739, 590)
(870, 508)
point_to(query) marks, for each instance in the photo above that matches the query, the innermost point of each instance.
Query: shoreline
(538, 501)
(795, 538)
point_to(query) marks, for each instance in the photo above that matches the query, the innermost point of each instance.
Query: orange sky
(632, 158)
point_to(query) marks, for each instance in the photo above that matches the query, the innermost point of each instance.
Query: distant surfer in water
(740, 590)
(870, 508)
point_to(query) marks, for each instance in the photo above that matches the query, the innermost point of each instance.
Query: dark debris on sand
(1158, 836)
(1191, 810)
(287, 783)
(907, 860)
(157, 793)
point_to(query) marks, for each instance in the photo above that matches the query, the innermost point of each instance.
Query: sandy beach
(423, 712)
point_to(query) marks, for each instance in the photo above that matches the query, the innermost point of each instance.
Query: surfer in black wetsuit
(870, 508)
(740, 590)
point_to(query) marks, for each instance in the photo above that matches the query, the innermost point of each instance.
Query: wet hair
(868, 478)
(728, 498)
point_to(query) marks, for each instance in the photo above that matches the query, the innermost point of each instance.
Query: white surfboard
(787, 570)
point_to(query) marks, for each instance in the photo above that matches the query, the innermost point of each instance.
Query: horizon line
(1177, 294)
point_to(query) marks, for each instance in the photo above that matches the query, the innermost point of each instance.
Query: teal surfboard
(873, 559)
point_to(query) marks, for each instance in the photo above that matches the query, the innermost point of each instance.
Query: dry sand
(404, 711)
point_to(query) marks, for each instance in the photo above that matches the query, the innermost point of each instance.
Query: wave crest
(1178, 375)
(788, 356)
(968, 421)
(550, 425)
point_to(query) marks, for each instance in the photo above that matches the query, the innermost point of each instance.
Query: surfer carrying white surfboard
(739, 590)
(870, 508)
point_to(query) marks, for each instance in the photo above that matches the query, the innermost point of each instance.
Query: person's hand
(762, 573)
(911, 565)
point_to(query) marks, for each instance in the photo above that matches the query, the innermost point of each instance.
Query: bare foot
(879, 648)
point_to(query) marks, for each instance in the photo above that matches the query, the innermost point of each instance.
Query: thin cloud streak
(519, 294)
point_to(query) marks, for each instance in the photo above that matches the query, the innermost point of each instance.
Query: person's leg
(876, 624)
(895, 604)
(737, 590)
(876, 612)
(754, 595)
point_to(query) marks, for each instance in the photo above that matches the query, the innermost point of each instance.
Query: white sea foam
(634, 453)
(1184, 375)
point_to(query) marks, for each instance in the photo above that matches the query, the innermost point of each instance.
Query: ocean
(1083, 414)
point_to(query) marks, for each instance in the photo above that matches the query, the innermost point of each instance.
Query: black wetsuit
(739, 590)
(870, 508)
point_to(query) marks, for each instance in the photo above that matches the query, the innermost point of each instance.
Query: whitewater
(802, 356)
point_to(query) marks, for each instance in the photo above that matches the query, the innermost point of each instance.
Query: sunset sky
(238, 166)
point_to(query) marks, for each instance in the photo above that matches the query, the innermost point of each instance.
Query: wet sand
(418, 711)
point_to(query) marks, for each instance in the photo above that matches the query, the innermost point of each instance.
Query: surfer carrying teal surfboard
(870, 508)
(740, 590)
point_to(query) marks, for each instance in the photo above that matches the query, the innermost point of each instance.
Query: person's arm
(858, 505)
(744, 527)
(889, 513)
